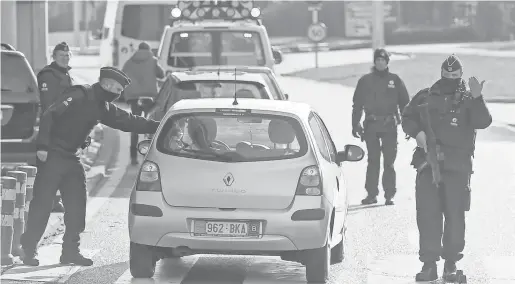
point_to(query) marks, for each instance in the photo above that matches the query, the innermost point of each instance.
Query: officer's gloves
(422, 140)
(357, 131)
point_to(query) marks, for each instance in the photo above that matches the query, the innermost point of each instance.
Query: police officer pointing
(64, 128)
(380, 94)
(455, 114)
(53, 79)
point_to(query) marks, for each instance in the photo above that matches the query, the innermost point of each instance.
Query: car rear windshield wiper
(223, 156)
(5, 90)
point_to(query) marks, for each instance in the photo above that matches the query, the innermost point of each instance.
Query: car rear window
(205, 48)
(225, 89)
(218, 136)
(16, 74)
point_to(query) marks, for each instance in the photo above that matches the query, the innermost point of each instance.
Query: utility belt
(380, 123)
(450, 159)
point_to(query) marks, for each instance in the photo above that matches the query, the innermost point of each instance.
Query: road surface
(382, 242)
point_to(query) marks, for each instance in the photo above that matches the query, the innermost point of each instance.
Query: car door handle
(337, 184)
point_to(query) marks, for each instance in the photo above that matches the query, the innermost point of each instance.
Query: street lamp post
(377, 24)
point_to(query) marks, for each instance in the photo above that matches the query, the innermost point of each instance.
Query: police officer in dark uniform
(456, 113)
(64, 128)
(380, 94)
(53, 79)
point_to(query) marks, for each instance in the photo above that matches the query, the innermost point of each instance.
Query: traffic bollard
(19, 210)
(8, 205)
(31, 176)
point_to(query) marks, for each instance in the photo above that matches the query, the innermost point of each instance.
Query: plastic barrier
(8, 206)
(19, 210)
(31, 176)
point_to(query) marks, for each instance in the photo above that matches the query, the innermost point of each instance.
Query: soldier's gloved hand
(42, 155)
(421, 140)
(357, 131)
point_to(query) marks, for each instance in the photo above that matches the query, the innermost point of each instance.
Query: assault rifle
(433, 150)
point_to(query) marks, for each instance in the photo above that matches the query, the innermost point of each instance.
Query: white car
(267, 74)
(251, 177)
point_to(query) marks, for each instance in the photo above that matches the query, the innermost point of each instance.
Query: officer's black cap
(115, 74)
(63, 46)
(452, 63)
(381, 53)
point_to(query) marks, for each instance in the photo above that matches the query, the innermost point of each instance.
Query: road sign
(317, 32)
(314, 5)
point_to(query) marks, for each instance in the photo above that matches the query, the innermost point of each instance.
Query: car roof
(225, 75)
(232, 67)
(296, 108)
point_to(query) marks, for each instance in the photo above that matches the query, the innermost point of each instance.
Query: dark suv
(19, 94)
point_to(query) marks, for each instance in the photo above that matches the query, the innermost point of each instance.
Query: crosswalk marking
(49, 269)
(164, 274)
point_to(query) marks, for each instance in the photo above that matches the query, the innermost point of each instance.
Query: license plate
(226, 229)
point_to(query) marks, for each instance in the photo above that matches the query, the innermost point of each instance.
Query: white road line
(164, 271)
(275, 271)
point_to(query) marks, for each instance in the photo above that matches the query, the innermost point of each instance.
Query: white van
(216, 40)
(127, 24)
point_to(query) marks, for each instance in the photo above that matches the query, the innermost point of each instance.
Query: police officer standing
(380, 94)
(455, 113)
(53, 79)
(64, 128)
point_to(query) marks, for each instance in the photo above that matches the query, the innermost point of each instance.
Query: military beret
(452, 63)
(381, 53)
(63, 46)
(115, 74)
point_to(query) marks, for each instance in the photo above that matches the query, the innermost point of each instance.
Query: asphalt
(382, 242)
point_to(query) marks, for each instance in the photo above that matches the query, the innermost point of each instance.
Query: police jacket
(66, 124)
(379, 94)
(454, 119)
(52, 81)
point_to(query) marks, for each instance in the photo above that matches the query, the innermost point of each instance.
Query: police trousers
(64, 172)
(385, 143)
(439, 238)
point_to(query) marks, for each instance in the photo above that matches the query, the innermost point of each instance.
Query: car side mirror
(287, 96)
(278, 56)
(144, 146)
(351, 153)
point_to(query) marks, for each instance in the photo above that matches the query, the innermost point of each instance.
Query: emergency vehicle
(127, 24)
(207, 33)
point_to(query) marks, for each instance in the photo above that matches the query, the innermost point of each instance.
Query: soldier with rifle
(443, 119)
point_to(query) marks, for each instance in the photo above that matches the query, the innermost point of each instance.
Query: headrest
(202, 130)
(281, 132)
(245, 94)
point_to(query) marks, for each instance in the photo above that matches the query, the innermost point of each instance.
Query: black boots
(369, 200)
(449, 271)
(428, 272)
(75, 258)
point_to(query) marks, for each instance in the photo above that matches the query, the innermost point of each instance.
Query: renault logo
(228, 179)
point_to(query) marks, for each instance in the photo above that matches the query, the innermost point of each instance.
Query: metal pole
(77, 15)
(377, 24)
(314, 16)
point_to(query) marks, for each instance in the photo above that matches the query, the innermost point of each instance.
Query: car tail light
(310, 182)
(149, 178)
(115, 52)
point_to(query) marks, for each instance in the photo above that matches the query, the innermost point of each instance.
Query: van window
(232, 138)
(189, 49)
(145, 22)
(16, 74)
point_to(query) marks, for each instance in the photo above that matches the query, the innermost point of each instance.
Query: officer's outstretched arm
(118, 118)
(479, 115)
(358, 103)
(411, 124)
(53, 112)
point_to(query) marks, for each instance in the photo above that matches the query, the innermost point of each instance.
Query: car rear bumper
(167, 226)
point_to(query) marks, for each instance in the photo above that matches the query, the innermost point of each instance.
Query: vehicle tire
(142, 261)
(338, 252)
(318, 264)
